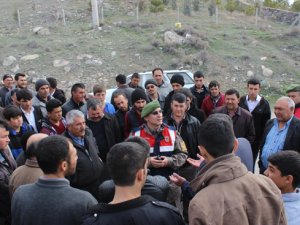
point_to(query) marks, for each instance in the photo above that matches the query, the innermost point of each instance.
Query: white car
(187, 75)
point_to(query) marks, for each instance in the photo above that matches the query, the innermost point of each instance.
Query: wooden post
(256, 16)
(19, 18)
(95, 14)
(178, 13)
(63, 17)
(137, 12)
(102, 14)
(217, 15)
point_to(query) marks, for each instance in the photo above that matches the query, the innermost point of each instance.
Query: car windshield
(187, 78)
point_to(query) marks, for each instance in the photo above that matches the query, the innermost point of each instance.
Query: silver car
(187, 75)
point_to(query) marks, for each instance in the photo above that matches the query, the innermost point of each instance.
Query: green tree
(156, 6)
(296, 6)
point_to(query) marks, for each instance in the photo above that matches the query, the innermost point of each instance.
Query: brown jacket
(242, 121)
(227, 194)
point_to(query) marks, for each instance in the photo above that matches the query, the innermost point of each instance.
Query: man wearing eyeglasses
(167, 149)
(152, 92)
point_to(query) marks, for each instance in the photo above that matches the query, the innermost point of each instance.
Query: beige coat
(227, 194)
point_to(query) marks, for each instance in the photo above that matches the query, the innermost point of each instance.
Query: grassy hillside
(226, 51)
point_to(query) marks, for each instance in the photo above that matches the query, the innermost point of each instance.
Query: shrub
(156, 6)
(196, 5)
(250, 10)
(231, 5)
(142, 5)
(174, 4)
(187, 8)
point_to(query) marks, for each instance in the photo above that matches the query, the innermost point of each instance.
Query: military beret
(149, 108)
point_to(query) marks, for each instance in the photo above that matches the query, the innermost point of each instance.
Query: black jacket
(38, 117)
(167, 106)
(199, 95)
(89, 165)
(60, 95)
(261, 114)
(6, 169)
(292, 139)
(143, 210)
(111, 131)
(70, 105)
(188, 130)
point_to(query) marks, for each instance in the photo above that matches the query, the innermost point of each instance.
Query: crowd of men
(155, 154)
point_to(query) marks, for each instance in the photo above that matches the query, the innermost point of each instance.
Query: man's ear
(63, 166)
(235, 145)
(289, 180)
(140, 174)
(202, 151)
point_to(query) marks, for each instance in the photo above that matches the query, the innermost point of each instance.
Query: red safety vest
(166, 145)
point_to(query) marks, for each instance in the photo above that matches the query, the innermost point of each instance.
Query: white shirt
(252, 104)
(30, 118)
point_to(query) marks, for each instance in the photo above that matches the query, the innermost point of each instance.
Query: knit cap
(40, 82)
(138, 94)
(150, 81)
(177, 78)
(149, 108)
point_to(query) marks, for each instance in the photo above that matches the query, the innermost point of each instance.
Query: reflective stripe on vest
(166, 145)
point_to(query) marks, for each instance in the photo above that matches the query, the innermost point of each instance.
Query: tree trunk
(95, 14)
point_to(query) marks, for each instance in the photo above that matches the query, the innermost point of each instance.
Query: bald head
(35, 138)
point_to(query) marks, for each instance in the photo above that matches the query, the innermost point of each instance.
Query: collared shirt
(274, 141)
(252, 104)
(77, 140)
(30, 118)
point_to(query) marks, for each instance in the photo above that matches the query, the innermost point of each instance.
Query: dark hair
(157, 68)
(18, 75)
(24, 94)
(98, 88)
(179, 97)
(140, 141)
(5, 76)
(187, 92)
(51, 152)
(53, 104)
(92, 103)
(118, 93)
(232, 91)
(121, 78)
(213, 83)
(11, 111)
(198, 74)
(288, 162)
(4, 125)
(135, 75)
(253, 81)
(216, 135)
(295, 89)
(52, 82)
(28, 154)
(14, 91)
(124, 160)
(77, 86)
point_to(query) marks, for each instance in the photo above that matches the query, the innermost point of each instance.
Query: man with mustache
(104, 126)
(89, 168)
